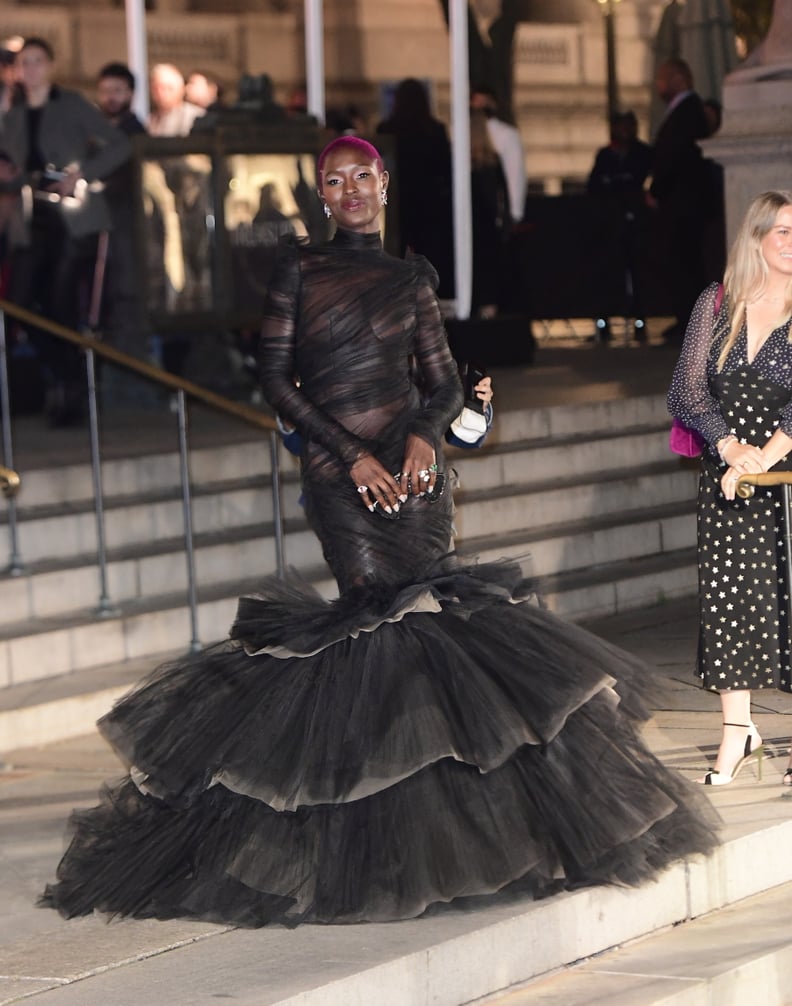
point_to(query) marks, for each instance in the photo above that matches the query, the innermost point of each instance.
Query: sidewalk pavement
(131, 963)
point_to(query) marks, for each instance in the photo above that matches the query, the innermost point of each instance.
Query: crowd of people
(68, 215)
(78, 223)
(667, 201)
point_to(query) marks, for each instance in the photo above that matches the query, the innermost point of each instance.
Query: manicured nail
(403, 498)
(388, 509)
(372, 507)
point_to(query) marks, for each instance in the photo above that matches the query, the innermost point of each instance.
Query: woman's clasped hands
(378, 487)
(742, 459)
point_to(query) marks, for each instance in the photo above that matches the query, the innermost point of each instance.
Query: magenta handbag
(682, 440)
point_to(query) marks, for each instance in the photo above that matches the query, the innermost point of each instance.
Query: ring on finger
(433, 468)
(362, 489)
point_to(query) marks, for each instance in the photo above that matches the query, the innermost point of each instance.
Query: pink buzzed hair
(361, 147)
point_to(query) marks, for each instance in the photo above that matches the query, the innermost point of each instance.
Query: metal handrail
(9, 481)
(225, 405)
(746, 483)
(183, 388)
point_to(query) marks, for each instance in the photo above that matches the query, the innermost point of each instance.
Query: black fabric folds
(433, 734)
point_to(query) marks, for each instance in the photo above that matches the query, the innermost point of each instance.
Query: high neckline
(354, 240)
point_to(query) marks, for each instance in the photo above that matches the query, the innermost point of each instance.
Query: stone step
(742, 953)
(68, 527)
(71, 586)
(75, 656)
(153, 625)
(580, 545)
(157, 470)
(68, 586)
(540, 503)
(699, 934)
(47, 533)
(71, 482)
(618, 413)
(48, 491)
(570, 457)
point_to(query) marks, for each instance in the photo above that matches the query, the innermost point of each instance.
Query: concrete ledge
(449, 958)
(740, 955)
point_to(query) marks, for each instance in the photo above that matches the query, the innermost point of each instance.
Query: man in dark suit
(123, 316)
(679, 190)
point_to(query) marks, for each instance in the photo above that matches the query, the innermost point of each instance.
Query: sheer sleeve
(689, 398)
(442, 387)
(277, 369)
(785, 422)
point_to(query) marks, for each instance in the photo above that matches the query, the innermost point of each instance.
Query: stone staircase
(589, 492)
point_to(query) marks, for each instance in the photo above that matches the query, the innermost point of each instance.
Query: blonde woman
(733, 384)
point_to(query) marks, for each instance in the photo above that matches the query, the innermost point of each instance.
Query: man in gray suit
(62, 148)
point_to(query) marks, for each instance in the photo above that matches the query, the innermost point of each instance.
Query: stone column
(755, 142)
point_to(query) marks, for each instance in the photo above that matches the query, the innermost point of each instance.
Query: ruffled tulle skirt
(364, 759)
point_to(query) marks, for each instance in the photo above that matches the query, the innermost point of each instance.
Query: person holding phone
(433, 732)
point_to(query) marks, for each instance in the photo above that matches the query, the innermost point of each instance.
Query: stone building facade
(560, 67)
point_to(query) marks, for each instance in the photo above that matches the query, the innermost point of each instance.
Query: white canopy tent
(137, 57)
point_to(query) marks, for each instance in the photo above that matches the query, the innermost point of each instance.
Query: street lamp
(608, 8)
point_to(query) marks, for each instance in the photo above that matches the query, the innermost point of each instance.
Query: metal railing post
(105, 608)
(277, 509)
(15, 566)
(192, 596)
(94, 348)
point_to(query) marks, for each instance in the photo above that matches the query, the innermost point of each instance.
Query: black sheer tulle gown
(429, 736)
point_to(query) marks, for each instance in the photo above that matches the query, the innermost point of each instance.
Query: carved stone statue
(772, 58)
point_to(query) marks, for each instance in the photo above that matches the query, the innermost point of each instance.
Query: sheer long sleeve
(785, 422)
(277, 363)
(689, 398)
(442, 387)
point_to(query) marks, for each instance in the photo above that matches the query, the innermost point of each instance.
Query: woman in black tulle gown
(429, 735)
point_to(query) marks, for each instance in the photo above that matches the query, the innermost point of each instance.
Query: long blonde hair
(746, 271)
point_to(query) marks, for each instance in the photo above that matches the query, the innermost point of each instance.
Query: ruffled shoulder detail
(423, 269)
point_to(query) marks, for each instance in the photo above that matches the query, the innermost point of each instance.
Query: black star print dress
(432, 734)
(744, 627)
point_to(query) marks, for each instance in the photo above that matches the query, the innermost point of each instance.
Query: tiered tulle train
(340, 762)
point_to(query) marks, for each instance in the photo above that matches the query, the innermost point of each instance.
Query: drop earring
(384, 197)
(327, 211)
